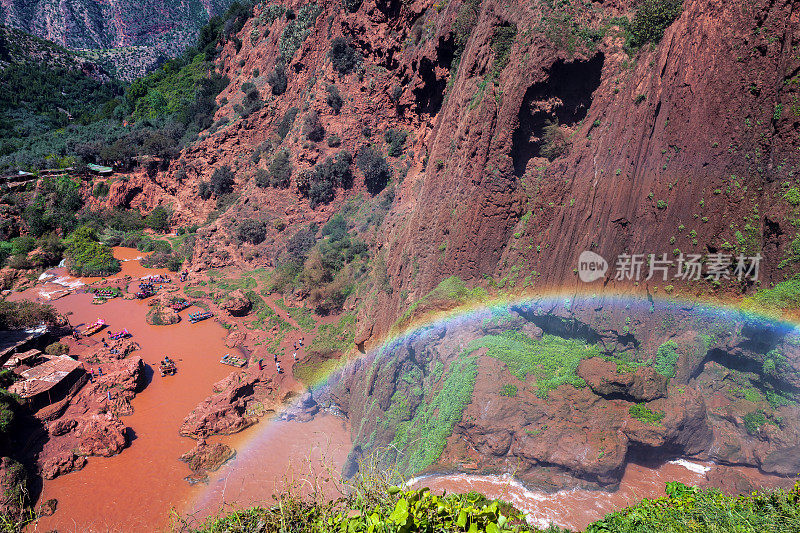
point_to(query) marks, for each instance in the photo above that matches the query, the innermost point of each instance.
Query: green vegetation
(332, 338)
(689, 509)
(252, 231)
(320, 183)
(642, 413)
(666, 359)
(652, 17)
(376, 508)
(451, 290)
(301, 315)
(377, 172)
(784, 295)
(753, 421)
(86, 256)
(422, 439)
(284, 125)
(551, 360)
(343, 57)
(296, 32)
(502, 41)
(508, 390)
(396, 139)
(25, 314)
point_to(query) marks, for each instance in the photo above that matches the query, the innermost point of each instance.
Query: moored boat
(93, 328)
(197, 317)
(122, 334)
(167, 367)
(231, 360)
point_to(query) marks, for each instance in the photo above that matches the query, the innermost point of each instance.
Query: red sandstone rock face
(644, 384)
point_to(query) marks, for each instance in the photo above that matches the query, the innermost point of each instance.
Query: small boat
(197, 317)
(229, 359)
(106, 293)
(180, 305)
(167, 367)
(157, 278)
(116, 335)
(91, 329)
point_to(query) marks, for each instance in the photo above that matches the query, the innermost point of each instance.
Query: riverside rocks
(204, 458)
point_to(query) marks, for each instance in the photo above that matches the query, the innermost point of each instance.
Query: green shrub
(56, 349)
(297, 31)
(352, 5)
(784, 295)
(284, 125)
(334, 140)
(554, 143)
(158, 219)
(508, 390)
(396, 140)
(320, 183)
(502, 41)
(666, 359)
(377, 171)
(222, 180)
(652, 17)
(277, 79)
(343, 57)
(642, 413)
(334, 99)
(88, 257)
(252, 231)
(312, 127)
(279, 173)
(25, 314)
(753, 421)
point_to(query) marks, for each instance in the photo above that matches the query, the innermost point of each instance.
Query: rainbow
(707, 311)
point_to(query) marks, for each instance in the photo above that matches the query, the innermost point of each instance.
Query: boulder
(237, 303)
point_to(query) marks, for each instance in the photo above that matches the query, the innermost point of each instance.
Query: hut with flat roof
(52, 381)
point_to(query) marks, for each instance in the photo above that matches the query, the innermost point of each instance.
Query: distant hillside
(128, 38)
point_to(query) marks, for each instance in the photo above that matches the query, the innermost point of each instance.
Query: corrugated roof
(45, 376)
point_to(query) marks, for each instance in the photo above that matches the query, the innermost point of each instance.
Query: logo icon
(591, 266)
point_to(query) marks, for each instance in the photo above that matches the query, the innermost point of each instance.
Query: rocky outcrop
(204, 458)
(225, 412)
(237, 303)
(159, 315)
(604, 378)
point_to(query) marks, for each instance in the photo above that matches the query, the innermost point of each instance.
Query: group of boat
(121, 334)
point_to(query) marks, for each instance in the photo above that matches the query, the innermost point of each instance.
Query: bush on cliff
(277, 79)
(222, 180)
(343, 57)
(86, 256)
(652, 17)
(377, 171)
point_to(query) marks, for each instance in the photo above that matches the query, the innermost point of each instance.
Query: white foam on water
(66, 281)
(692, 467)
(46, 275)
(510, 490)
